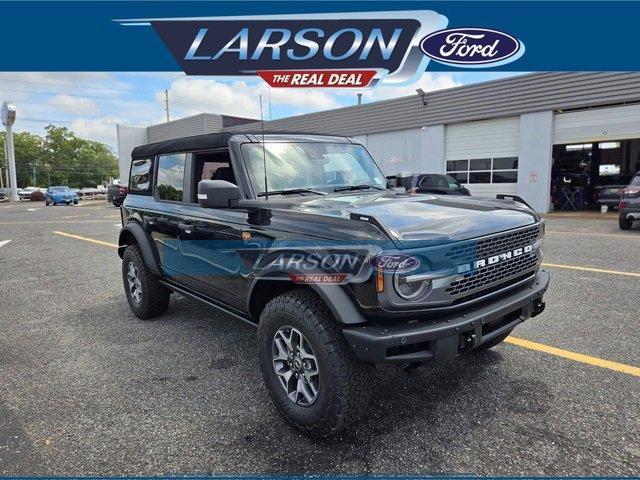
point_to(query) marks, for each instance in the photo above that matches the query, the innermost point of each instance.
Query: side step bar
(196, 296)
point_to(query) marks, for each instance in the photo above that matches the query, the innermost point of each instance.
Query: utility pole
(35, 180)
(166, 103)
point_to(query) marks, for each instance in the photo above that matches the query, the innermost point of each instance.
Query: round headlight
(410, 290)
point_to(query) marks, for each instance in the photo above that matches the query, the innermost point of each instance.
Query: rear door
(162, 220)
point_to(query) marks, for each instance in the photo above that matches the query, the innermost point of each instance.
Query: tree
(29, 152)
(61, 158)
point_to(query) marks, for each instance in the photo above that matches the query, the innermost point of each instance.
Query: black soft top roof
(210, 141)
(194, 143)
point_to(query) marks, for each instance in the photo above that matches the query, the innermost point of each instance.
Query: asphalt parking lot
(88, 389)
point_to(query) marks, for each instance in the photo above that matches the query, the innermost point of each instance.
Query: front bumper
(436, 340)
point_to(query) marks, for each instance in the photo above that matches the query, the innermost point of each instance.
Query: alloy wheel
(296, 366)
(135, 287)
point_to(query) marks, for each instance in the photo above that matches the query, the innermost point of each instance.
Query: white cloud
(75, 105)
(241, 98)
(97, 129)
(430, 82)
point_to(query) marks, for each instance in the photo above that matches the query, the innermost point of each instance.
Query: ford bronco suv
(301, 237)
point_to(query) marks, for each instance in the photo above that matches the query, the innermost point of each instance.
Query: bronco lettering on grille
(501, 257)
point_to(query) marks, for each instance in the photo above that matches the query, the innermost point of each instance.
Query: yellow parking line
(576, 357)
(591, 269)
(86, 239)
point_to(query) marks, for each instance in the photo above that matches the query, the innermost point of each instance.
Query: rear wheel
(313, 376)
(146, 297)
(625, 223)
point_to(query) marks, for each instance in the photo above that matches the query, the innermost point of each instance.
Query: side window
(140, 175)
(170, 183)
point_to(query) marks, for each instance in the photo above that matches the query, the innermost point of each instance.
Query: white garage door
(484, 155)
(598, 124)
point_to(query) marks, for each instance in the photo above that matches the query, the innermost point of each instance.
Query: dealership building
(547, 137)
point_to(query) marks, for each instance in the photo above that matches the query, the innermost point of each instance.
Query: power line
(89, 106)
(73, 85)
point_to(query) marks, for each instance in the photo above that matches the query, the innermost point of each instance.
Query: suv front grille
(491, 275)
(472, 250)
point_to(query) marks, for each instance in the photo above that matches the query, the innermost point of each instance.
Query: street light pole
(8, 118)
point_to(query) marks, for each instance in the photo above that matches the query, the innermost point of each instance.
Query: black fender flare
(144, 241)
(334, 296)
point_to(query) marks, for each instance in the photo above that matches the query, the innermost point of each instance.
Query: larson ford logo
(394, 263)
(472, 47)
(346, 49)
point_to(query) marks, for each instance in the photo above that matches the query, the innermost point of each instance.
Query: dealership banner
(319, 44)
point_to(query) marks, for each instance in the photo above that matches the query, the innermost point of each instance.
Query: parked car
(608, 190)
(629, 208)
(337, 272)
(4, 194)
(116, 194)
(439, 184)
(60, 194)
(25, 193)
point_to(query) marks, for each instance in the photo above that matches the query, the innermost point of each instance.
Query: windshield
(59, 189)
(317, 166)
(635, 181)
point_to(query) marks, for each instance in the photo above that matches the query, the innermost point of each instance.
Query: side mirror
(217, 194)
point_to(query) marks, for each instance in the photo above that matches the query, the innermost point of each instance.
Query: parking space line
(591, 269)
(86, 239)
(577, 357)
(569, 232)
(55, 222)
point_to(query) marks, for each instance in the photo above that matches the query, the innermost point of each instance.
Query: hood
(418, 220)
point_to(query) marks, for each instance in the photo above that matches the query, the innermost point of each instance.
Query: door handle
(186, 227)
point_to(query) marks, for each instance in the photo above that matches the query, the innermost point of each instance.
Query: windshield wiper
(292, 191)
(356, 187)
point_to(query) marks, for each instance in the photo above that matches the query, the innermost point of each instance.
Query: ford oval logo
(472, 47)
(394, 263)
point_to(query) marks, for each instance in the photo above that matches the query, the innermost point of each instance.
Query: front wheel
(146, 297)
(313, 376)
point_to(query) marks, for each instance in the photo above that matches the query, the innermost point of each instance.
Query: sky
(92, 103)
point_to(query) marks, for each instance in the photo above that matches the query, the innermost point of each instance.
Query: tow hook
(538, 308)
(466, 342)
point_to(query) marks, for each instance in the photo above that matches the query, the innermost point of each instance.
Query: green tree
(61, 158)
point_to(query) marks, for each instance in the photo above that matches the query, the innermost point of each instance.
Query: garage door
(599, 124)
(484, 155)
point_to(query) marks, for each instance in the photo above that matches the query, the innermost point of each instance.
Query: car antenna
(264, 153)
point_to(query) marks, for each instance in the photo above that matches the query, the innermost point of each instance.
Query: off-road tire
(154, 297)
(496, 341)
(625, 223)
(345, 382)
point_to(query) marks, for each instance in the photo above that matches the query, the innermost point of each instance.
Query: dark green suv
(301, 237)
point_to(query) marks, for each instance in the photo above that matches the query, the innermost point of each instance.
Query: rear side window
(170, 182)
(140, 175)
